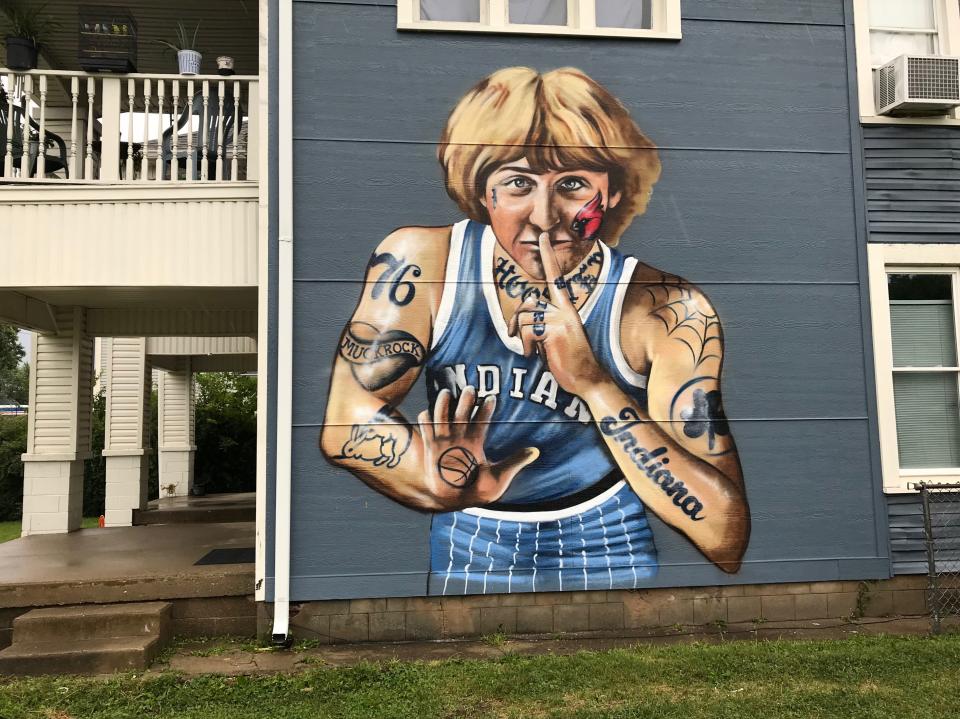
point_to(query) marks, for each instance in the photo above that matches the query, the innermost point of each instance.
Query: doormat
(229, 555)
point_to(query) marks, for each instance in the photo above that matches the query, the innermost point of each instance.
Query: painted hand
(455, 467)
(556, 330)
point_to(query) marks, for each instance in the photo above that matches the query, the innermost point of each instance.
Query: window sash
(906, 431)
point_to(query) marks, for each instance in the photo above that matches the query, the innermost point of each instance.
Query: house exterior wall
(911, 190)
(912, 182)
(758, 204)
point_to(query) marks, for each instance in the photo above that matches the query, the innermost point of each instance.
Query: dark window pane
(919, 287)
(450, 10)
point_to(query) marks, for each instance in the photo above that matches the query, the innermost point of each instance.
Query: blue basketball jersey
(601, 542)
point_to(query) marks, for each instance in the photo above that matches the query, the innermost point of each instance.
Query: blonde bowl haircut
(561, 120)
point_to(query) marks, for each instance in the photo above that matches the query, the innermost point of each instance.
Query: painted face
(569, 204)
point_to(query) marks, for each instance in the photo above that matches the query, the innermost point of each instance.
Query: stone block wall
(420, 618)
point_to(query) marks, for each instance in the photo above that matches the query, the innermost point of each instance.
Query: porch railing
(62, 126)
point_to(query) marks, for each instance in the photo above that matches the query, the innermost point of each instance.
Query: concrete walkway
(123, 564)
(225, 658)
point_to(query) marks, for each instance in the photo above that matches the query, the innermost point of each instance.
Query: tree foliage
(226, 456)
(14, 375)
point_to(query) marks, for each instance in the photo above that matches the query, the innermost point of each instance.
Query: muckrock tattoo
(378, 359)
(458, 467)
(382, 441)
(651, 463)
(402, 291)
(685, 321)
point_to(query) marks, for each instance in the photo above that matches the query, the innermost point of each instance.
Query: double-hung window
(618, 18)
(916, 322)
(886, 29)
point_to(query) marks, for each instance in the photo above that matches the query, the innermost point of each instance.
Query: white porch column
(58, 426)
(176, 430)
(126, 439)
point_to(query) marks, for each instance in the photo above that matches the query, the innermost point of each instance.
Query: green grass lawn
(11, 530)
(847, 679)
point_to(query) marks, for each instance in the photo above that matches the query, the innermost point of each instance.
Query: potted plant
(188, 56)
(27, 28)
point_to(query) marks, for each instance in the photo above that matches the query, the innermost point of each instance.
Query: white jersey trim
(616, 312)
(551, 515)
(451, 281)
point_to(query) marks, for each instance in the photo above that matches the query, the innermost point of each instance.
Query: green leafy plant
(183, 39)
(30, 23)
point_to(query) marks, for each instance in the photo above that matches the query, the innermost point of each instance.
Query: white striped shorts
(603, 543)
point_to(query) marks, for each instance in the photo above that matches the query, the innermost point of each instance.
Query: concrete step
(80, 656)
(194, 515)
(93, 621)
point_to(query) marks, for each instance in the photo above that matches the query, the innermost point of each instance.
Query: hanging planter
(27, 28)
(189, 61)
(22, 53)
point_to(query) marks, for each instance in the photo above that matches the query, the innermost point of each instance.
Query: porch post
(176, 430)
(126, 440)
(58, 425)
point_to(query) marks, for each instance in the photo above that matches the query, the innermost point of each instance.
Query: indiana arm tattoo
(402, 291)
(378, 359)
(685, 320)
(651, 463)
(381, 442)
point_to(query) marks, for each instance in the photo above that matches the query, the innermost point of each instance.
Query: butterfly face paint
(588, 220)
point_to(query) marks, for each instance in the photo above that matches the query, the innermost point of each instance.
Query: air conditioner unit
(916, 85)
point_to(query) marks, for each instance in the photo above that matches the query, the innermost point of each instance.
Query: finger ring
(539, 329)
(538, 316)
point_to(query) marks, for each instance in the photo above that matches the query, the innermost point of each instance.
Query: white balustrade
(63, 126)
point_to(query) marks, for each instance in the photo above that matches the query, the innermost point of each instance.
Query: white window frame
(907, 259)
(581, 21)
(947, 13)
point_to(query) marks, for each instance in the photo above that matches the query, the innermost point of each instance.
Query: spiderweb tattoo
(684, 318)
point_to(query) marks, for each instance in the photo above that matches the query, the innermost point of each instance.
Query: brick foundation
(396, 619)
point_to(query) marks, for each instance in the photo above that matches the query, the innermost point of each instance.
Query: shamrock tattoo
(706, 416)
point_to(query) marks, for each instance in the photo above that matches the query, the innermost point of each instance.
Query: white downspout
(281, 562)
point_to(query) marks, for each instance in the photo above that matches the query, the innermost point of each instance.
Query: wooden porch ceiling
(228, 27)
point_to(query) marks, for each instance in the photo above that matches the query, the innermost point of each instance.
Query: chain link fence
(941, 524)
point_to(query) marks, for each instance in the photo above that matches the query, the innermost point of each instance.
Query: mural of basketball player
(572, 388)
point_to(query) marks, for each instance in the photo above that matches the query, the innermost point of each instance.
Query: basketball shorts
(602, 543)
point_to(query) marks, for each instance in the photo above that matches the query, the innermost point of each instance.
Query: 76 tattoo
(402, 291)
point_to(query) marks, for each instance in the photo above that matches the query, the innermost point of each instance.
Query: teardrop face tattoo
(588, 220)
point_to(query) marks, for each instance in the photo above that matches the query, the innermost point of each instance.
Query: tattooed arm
(670, 331)
(381, 354)
(685, 470)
